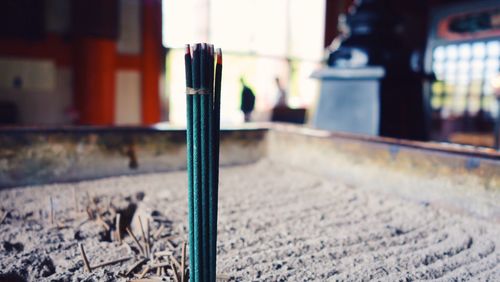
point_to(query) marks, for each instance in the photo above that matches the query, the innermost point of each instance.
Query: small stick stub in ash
(157, 234)
(146, 248)
(183, 262)
(85, 259)
(51, 211)
(117, 228)
(135, 266)
(135, 240)
(111, 262)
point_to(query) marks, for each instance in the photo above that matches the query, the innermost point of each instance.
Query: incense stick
(170, 245)
(117, 227)
(75, 199)
(223, 277)
(85, 259)
(160, 265)
(163, 253)
(214, 187)
(197, 209)
(176, 275)
(189, 145)
(135, 240)
(51, 210)
(110, 262)
(148, 241)
(90, 214)
(135, 266)
(157, 233)
(4, 216)
(144, 237)
(103, 223)
(147, 280)
(205, 114)
(174, 260)
(183, 262)
(144, 272)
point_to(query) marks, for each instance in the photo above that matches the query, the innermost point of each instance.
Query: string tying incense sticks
(192, 91)
(202, 135)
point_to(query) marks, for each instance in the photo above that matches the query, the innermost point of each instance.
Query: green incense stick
(211, 155)
(189, 147)
(204, 158)
(197, 209)
(215, 163)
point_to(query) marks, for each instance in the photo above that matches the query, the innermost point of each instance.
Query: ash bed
(295, 205)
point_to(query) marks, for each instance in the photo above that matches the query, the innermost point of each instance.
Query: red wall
(151, 60)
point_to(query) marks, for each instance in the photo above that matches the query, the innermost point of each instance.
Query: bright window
(260, 39)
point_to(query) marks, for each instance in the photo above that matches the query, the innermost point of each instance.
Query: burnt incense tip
(188, 49)
(219, 56)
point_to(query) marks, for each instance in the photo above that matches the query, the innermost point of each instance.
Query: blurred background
(418, 69)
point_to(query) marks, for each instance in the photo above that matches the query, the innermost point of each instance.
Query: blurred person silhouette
(281, 112)
(282, 97)
(247, 100)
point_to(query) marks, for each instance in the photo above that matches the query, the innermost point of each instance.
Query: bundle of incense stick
(203, 83)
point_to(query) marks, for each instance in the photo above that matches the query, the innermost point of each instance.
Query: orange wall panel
(94, 80)
(151, 61)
